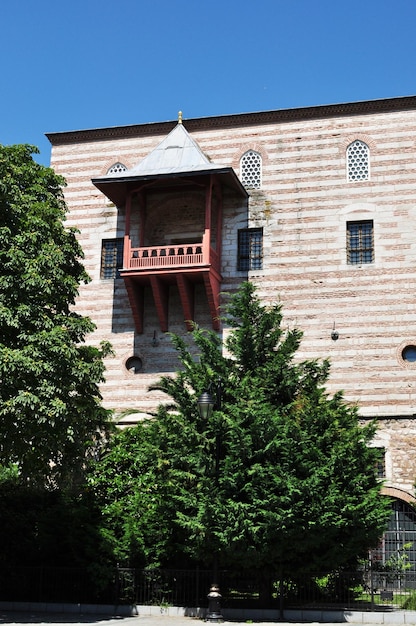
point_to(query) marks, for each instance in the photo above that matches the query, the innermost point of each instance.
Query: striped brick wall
(303, 206)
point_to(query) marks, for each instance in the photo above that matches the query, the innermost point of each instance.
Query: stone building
(316, 206)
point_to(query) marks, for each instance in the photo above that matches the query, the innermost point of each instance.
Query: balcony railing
(165, 256)
(169, 256)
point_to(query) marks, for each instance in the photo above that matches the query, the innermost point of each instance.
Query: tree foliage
(280, 478)
(50, 407)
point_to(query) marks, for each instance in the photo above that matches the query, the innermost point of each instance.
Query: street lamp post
(206, 404)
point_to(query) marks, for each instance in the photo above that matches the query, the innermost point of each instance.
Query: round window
(134, 364)
(409, 354)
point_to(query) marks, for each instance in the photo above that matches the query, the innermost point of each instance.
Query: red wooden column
(142, 211)
(208, 218)
(212, 280)
(218, 209)
(127, 243)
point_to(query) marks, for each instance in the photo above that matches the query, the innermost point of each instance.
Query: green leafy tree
(280, 478)
(50, 409)
(133, 487)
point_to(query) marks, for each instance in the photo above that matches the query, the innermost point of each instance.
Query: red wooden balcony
(182, 265)
(170, 256)
(176, 167)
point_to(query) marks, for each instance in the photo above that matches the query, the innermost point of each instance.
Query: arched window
(358, 161)
(398, 542)
(117, 168)
(250, 169)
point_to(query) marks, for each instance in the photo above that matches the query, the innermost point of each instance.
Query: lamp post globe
(205, 405)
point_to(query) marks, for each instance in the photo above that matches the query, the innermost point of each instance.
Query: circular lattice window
(358, 161)
(251, 170)
(117, 168)
(134, 364)
(409, 354)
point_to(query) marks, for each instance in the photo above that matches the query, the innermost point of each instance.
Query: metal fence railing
(369, 589)
(46, 584)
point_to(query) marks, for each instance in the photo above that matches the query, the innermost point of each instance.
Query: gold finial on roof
(180, 117)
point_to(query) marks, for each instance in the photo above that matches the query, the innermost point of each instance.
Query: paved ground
(26, 619)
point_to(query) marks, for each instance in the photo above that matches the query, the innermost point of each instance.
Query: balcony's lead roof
(176, 154)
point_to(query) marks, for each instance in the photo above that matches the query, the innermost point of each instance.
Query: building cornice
(386, 105)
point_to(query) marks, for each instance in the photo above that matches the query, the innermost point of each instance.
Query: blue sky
(69, 65)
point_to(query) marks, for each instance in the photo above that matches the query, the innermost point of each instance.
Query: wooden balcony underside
(159, 267)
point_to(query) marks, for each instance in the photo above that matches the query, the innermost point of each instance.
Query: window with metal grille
(111, 258)
(399, 540)
(250, 169)
(360, 242)
(117, 168)
(358, 161)
(250, 249)
(381, 463)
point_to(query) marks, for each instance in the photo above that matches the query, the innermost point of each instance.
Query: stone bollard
(214, 605)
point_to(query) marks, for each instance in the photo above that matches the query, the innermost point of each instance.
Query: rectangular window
(250, 249)
(111, 258)
(381, 463)
(360, 242)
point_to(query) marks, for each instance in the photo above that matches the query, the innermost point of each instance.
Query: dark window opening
(111, 258)
(381, 463)
(409, 354)
(360, 242)
(250, 249)
(134, 364)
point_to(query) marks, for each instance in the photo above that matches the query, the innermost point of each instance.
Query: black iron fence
(173, 587)
(54, 584)
(366, 589)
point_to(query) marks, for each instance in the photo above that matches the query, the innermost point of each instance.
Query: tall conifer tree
(279, 479)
